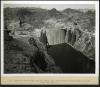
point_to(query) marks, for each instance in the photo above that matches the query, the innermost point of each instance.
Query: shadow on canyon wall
(70, 60)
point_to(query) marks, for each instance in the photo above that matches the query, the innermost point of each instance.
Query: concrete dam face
(55, 36)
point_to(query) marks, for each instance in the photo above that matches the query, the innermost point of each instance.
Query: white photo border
(96, 3)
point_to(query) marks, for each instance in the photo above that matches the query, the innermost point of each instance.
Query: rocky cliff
(82, 41)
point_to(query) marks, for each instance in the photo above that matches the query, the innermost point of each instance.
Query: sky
(50, 6)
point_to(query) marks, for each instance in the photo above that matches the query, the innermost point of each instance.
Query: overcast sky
(57, 6)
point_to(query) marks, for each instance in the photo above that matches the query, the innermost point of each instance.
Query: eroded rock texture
(82, 41)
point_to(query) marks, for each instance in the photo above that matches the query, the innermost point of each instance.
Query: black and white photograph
(49, 38)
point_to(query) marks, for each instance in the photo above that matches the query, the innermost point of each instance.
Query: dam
(79, 40)
(55, 36)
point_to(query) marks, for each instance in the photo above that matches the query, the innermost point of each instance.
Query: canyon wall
(73, 35)
(81, 41)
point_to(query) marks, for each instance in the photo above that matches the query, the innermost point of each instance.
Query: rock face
(86, 45)
(82, 41)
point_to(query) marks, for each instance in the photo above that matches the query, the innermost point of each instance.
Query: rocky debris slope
(86, 45)
(27, 55)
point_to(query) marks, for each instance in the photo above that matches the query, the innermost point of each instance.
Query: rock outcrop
(44, 61)
(82, 41)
